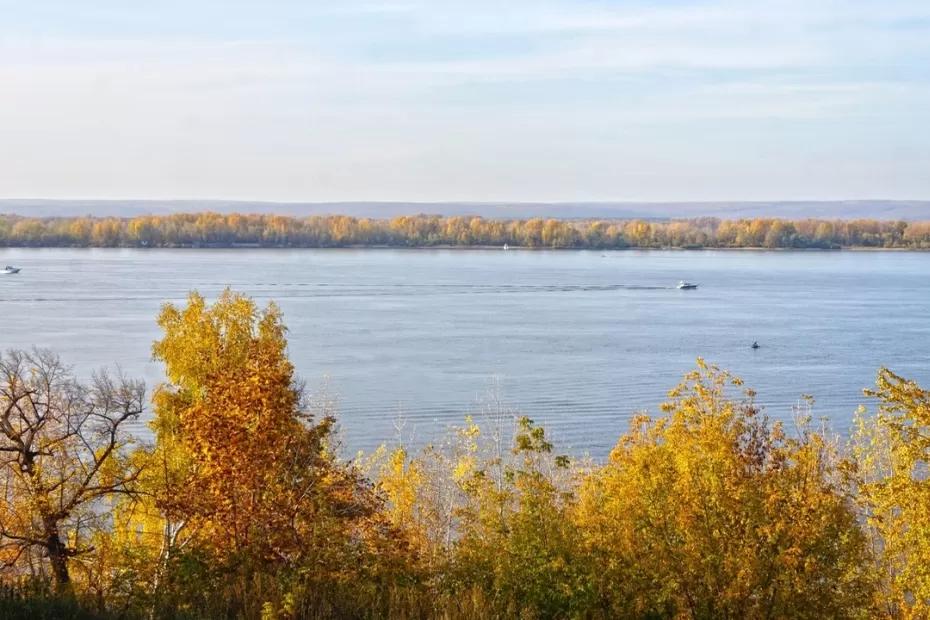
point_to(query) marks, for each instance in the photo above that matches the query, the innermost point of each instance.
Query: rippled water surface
(577, 340)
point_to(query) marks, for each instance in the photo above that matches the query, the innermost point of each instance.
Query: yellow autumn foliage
(711, 511)
(893, 455)
(242, 508)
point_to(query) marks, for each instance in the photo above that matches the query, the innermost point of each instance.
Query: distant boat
(686, 285)
(506, 247)
(754, 345)
(9, 270)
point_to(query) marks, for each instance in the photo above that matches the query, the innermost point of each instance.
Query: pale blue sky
(536, 100)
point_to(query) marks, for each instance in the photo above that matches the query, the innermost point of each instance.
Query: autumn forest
(238, 503)
(219, 230)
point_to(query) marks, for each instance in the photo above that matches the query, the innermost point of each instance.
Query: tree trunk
(57, 556)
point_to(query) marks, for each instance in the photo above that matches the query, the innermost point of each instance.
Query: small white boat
(506, 247)
(9, 270)
(686, 285)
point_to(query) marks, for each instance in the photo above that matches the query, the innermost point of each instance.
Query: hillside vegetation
(219, 230)
(241, 507)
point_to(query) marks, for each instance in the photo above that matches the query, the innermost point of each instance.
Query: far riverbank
(214, 230)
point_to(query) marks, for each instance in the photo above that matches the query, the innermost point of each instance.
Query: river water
(417, 339)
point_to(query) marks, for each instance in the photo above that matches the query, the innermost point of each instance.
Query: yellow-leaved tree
(710, 511)
(893, 455)
(489, 512)
(63, 451)
(517, 546)
(244, 494)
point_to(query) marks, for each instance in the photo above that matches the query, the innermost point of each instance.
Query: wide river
(418, 339)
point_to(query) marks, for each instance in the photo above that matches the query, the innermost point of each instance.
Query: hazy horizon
(414, 101)
(850, 209)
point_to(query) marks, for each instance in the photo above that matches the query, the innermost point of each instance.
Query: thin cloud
(485, 100)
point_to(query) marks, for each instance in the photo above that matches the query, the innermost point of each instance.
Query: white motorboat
(9, 270)
(686, 285)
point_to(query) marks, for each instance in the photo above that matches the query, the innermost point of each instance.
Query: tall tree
(245, 477)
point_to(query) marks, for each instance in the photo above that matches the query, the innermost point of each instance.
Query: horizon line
(472, 202)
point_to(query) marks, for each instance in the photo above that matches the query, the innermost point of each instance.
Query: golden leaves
(892, 449)
(705, 510)
(721, 509)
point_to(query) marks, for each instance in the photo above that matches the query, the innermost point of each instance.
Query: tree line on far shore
(229, 230)
(241, 506)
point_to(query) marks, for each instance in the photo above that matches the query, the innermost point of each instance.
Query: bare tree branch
(61, 436)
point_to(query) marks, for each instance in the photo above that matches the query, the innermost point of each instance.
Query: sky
(429, 100)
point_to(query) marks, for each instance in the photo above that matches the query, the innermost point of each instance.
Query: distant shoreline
(235, 230)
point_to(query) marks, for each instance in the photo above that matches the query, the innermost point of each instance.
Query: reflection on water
(577, 340)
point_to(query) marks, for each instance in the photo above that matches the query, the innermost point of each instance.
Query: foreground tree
(245, 489)
(489, 509)
(709, 511)
(62, 452)
(893, 455)
(517, 547)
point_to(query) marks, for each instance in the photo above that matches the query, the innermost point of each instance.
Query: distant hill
(852, 209)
